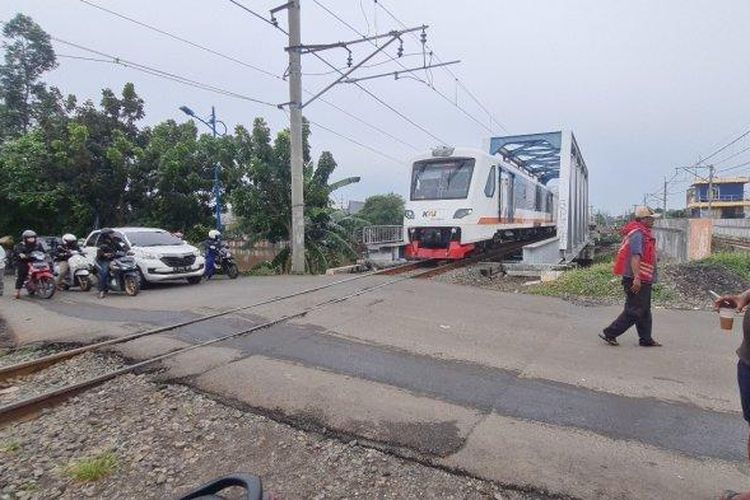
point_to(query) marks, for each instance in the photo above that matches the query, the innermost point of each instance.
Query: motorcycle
(225, 263)
(123, 274)
(79, 272)
(41, 280)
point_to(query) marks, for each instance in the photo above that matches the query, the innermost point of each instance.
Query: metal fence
(378, 235)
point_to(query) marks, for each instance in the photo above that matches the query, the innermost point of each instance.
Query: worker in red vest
(636, 263)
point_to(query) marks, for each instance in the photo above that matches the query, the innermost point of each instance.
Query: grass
(738, 262)
(596, 282)
(93, 468)
(10, 447)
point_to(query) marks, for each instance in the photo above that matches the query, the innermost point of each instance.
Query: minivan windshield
(152, 238)
(444, 179)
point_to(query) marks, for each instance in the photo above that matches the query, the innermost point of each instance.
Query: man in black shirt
(108, 247)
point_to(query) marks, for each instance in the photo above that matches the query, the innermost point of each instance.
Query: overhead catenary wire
(425, 82)
(479, 103)
(246, 65)
(360, 86)
(204, 86)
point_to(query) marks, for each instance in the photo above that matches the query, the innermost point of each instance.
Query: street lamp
(211, 122)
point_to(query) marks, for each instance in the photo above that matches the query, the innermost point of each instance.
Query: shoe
(650, 343)
(609, 340)
(101, 295)
(18, 294)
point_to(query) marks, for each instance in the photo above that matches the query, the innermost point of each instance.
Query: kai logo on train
(429, 213)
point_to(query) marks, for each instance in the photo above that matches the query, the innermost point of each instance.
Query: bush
(94, 468)
(596, 282)
(739, 262)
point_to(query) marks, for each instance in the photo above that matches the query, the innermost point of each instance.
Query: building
(728, 199)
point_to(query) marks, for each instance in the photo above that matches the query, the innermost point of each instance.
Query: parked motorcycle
(41, 280)
(123, 274)
(225, 263)
(79, 273)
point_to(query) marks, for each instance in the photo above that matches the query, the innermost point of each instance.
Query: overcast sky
(646, 86)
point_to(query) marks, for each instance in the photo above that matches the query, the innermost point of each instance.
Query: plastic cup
(726, 318)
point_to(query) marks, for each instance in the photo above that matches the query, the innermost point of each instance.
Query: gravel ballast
(167, 439)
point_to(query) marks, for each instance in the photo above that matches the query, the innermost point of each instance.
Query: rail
(27, 407)
(379, 235)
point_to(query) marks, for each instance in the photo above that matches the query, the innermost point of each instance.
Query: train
(463, 200)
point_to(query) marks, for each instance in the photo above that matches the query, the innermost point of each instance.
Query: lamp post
(211, 122)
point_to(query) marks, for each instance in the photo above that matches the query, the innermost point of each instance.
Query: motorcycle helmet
(28, 235)
(69, 238)
(214, 234)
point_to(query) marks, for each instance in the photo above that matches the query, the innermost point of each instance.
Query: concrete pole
(664, 201)
(710, 190)
(217, 187)
(295, 130)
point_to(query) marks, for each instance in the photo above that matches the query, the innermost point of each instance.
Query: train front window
(441, 179)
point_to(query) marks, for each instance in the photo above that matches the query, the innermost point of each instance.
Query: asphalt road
(512, 388)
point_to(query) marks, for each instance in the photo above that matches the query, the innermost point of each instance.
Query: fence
(378, 235)
(732, 228)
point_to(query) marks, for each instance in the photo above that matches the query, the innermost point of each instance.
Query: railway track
(30, 406)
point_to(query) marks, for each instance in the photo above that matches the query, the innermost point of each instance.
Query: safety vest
(648, 259)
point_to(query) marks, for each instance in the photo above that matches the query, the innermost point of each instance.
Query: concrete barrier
(248, 255)
(684, 239)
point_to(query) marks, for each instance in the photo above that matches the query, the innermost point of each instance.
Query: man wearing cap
(636, 263)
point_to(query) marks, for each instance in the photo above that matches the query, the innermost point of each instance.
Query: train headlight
(462, 212)
(409, 214)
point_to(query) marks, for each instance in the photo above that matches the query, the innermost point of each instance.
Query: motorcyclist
(212, 245)
(108, 247)
(23, 251)
(62, 253)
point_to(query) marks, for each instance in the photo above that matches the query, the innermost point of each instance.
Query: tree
(383, 210)
(263, 201)
(28, 55)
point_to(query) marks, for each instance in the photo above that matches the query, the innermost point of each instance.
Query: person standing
(636, 263)
(740, 302)
(23, 251)
(212, 245)
(105, 252)
(62, 253)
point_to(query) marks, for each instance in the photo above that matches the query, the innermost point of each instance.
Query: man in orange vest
(636, 263)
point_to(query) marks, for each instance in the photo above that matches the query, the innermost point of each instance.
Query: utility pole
(664, 200)
(295, 130)
(710, 190)
(296, 50)
(217, 185)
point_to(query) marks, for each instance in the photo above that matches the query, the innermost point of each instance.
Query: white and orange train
(462, 200)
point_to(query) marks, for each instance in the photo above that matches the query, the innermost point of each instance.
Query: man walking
(636, 263)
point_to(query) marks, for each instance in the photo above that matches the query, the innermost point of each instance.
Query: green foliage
(93, 468)
(596, 281)
(739, 262)
(10, 447)
(28, 55)
(383, 209)
(262, 199)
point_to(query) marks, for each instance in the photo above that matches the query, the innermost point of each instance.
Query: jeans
(22, 273)
(210, 265)
(637, 312)
(103, 267)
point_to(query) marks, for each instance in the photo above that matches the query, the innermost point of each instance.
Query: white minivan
(160, 256)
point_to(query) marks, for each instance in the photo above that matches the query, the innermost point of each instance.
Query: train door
(507, 202)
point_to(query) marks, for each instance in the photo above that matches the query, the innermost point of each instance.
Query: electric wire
(359, 85)
(203, 86)
(425, 82)
(447, 69)
(247, 65)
